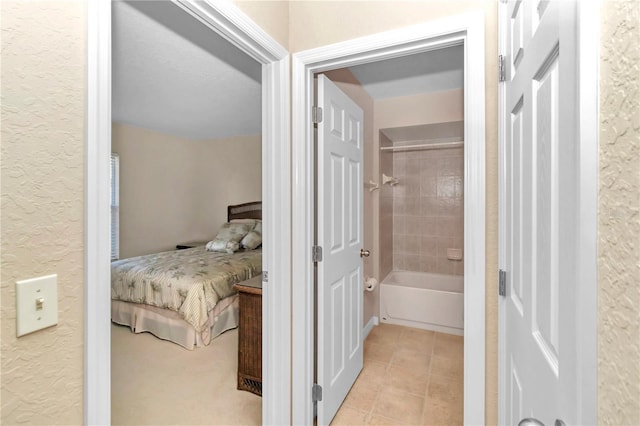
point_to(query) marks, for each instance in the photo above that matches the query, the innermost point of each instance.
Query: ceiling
(174, 75)
(432, 71)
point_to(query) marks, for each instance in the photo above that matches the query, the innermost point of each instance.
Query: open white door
(340, 162)
(542, 359)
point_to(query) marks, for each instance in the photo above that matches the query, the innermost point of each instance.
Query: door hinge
(316, 252)
(316, 392)
(502, 71)
(502, 283)
(265, 276)
(316, 114)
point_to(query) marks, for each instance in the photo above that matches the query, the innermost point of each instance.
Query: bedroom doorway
(466, 30)
(272, 74)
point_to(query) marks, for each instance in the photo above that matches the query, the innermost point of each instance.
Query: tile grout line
(426, 394)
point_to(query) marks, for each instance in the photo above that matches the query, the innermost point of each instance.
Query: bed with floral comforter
(190, 282)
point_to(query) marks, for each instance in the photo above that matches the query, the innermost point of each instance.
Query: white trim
(468, 29)
(425, 146)
(373, 322)
(227, 20)
(97, 331)
(587, 313)
(502, 193)
(587, 266)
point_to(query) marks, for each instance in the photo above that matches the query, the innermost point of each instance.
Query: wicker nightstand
(250, 335)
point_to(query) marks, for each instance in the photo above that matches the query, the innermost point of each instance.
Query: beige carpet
(154, 382)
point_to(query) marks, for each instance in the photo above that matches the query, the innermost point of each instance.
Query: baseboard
(373, 321)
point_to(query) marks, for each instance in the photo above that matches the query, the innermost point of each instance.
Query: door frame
(236, 27)
(465, 28)
(588, 20)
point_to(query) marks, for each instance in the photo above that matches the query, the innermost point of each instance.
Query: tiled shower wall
(386, 211)
(428, 210)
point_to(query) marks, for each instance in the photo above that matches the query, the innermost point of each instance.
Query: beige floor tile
(406, 380)
(401, 406)
(387, 333)
(378, 352)
(410, 376)
(362, 396)
(442, 413)
(411, 360)
(452, 368)
(377, 420)
(445, 389)
(373, 371)
(448, 345)
(347, 416)
(416, 340)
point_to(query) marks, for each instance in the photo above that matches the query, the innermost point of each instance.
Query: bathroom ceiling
(174, 75)
(433, 71)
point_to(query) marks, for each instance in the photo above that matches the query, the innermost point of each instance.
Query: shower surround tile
(427, 210)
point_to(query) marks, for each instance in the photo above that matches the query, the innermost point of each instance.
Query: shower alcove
(422, 226)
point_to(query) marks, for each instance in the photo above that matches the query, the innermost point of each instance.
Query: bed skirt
(169, 325)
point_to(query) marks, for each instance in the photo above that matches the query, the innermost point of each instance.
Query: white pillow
(229, 237)
(253, 239)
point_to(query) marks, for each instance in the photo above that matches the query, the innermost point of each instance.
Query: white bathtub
(423, 300)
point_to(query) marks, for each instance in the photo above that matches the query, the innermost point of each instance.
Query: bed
(185, 296)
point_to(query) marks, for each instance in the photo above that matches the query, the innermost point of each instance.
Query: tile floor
(410, 377)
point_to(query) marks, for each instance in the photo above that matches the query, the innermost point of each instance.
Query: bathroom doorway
(467, 33)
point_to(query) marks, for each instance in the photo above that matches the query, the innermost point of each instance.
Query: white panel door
(340, 161)
(542, 151)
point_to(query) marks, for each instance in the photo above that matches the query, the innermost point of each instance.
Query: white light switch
(36, 304)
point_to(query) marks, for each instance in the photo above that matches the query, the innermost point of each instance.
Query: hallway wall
(619, 217)
(43, 147)
(43, 107)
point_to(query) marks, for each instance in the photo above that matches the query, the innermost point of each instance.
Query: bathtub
(423, 300)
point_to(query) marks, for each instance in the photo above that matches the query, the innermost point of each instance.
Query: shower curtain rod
(423, 146)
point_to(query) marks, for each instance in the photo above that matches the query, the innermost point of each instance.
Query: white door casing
(542, 354)
(236, 27)
(467, 28)
(340, 234)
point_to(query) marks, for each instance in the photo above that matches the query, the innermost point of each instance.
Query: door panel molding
(465, 29)
(587, 57)
(236, 27)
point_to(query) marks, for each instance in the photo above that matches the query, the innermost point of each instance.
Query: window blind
(115, 206)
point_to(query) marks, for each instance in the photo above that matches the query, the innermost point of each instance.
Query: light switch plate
(36, 304)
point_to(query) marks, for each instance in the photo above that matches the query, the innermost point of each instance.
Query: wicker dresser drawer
(250, 335)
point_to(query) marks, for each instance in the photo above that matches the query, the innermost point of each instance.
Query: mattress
(188, 282)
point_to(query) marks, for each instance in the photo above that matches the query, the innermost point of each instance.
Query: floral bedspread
(190, 281)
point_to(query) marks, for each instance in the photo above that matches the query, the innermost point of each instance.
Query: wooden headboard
(252, 210)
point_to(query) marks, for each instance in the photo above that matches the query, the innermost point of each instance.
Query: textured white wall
(42, 172)
(271, 15)
(619, 216)
(43, 60)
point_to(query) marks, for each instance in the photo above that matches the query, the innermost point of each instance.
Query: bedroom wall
(176, 190)
(349, 84)
(319, 23)
(42, 205)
